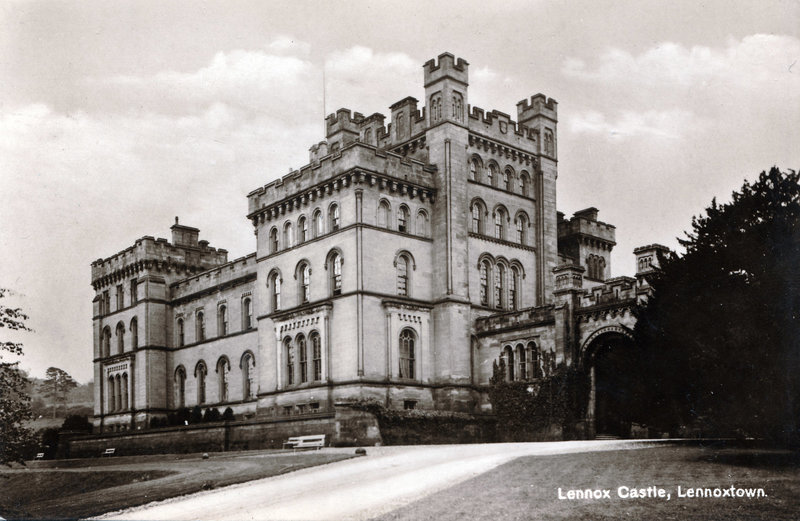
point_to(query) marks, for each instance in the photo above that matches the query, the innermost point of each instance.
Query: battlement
(499, 126)
(214, 277)
(585, 223)
(618, 289)
(520, 318)
(538, 105)
(342, 127)
(446, 67)
(352, 156)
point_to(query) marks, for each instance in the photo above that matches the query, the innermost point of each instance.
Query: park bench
(109, 452)
(39, 455)
(316, 441)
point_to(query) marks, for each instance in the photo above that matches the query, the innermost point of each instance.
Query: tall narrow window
(504, 179)
(402, 219)
(302, 229)
(288, 235)
(106, 342)
(200, 373)
(120, 297)
(120, 337)
(402, 275)
(247, 314)
(223, 368)
(316, 347)
(422, 223)
(180, 387)
(499, 276)
(508, 353)
(333, 217)
(319, 229)
(513, 289)
(305, 283)
(521, 223)
(111, 400)
(134, 333)
(289, 349)
(201, 326)
(222, 320)
(181, 338)
(134, 291)
(106, 302)
(303, 354)
(484, 273)
(275, 283)
(499, 224)
(477, 218)
(118, 393)
(383, 214)
(473, 169)
(248, 372)
(335, 268)
(490, 174)
(522, 366)
(124, 390)
(407, 353)
(273, 240)
(524, 184)
(535, 360)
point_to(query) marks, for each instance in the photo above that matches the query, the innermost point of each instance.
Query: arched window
(422, 223)
(289, 350)
(484, 273)
(106, 342)
(180, 387)
(368, 136)
(273, 240)
(134, 333)
(491, 175)
(319, 225)
(436, 108)
(288, 235)
(303, 355)
(302, 229)
(549, 145)
(275, 285)
(402, 219)
(247, 314)
(500, 224)
(124, 385)
(513, 289)
(201, 326)
(112, 403)
(521, 223)
(535, 360)
(524, 184)
(508, 354)
(223, 368)
(601, 268)
(499, 283)
(400, 129)
(118, 393)
(248, 372)
(305, 283)
(477, 217)
(504, 178)
(335, 270)
(181, 335)
(474, 169)
(402, 275)
(120, 337)
(383, 214)
(200, 372)
(333, 217)
(407, 353)
(316, 348)
(522, 366)
(222, 320)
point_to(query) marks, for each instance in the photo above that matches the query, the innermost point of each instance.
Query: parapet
(585, 223)
(447, 67)
(539, 105)
(342, 127)
(500, 127)
(616, 290)
(226, 274)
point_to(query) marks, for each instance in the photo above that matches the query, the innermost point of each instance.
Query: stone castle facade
(399, 264)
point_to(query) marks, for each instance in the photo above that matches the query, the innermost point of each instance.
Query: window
(248, 372)
(474, 170)
(422, 223)
(201, 326)
(484, 273)
(316, 349)
(275, 284)
(302, 229)
(333, 216)
(120, 297)
(522, 366)
(383, 214)
(105, 348)
(524, 184)
(305, 283)
(402, 219)
(401, 126)
(181, 340)
(120, 337)
(319, 229)
(289, 349)
(223, 368)
(499, 283)
(134, 291)
(288, 235)
(407, 346)
(134, 333)
(477, 218)
(508, 354)
(118, 393)
(535, 360)
(335, 269)
(247, 314)
(105, 303)
(301, 350)
(222, 320)
(180, 387)
(368, 136)
(409, 405)
(111, 401)
(491, 174)
(273, 240)
(402, 275)
(200, 372)
(521, 223)
(504, 178)
(499, 223)
(513, 289)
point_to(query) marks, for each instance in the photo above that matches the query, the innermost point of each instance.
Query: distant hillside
(80, 401)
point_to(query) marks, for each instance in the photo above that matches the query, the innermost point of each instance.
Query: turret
(446, 85)
(342, 128)
(541, 114)
(647, 258)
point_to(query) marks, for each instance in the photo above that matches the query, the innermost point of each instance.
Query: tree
(15, 407)
(720, 336)
(57, 385)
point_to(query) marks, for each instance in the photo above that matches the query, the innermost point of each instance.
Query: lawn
(73, 489)
(527, 488)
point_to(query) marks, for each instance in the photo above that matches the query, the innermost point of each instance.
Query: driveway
(386, 479)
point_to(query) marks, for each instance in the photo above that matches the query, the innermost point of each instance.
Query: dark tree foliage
(75, 422)
(720, 336)
(15, 408)
(57, 386)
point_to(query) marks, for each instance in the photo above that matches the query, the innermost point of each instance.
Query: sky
(115, 117)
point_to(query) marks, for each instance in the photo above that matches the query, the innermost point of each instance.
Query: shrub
(228, 415)
(77, 423)
(197, 415)
(212, 415)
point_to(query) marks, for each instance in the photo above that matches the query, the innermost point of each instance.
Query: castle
(399, 264)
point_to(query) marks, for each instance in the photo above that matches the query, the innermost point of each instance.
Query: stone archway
(610, 361)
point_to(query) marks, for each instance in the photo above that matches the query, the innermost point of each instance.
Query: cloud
(669, 124)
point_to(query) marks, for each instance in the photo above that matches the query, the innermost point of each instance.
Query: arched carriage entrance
(609, 358)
